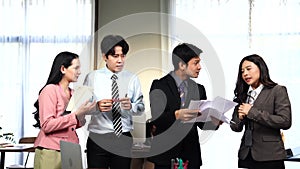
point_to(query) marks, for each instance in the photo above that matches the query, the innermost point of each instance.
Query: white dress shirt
(128, 84)
(257, 91)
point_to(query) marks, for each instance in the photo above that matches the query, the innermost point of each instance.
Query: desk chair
(24, 140)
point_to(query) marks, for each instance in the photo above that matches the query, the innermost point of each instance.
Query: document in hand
(216, 108)
(81, 95)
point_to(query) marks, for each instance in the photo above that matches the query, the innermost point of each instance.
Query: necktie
(251, 96)
(248, 134)
(182, 93)
(116, 107)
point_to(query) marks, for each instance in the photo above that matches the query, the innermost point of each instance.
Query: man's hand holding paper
(186, 114)
(105, 105)
(216, 109)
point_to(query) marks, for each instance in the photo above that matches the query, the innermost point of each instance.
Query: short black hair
(184, 52)
(109, 43)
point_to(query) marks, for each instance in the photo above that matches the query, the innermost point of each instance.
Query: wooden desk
(15, 148)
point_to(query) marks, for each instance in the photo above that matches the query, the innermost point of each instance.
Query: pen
(116, 100)
(91, 99)
(232, 122)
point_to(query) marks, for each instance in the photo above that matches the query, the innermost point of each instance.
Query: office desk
(295, 158)
(293, 154)
(14, 148)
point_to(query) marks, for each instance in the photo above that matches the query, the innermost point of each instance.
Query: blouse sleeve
(50, 117)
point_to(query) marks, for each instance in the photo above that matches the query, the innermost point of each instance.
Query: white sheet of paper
(216, 108)
(81, 95)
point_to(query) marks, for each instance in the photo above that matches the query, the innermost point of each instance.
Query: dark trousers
(161, 167)
(250, 163)
(109, 151)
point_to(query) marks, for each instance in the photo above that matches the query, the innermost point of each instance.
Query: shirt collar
(257, 90)
(109, 73)
(177, 79)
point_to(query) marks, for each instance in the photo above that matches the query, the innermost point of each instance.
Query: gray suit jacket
(271, 112)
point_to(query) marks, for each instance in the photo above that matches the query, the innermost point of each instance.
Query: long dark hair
(62, 59)
(241, 87)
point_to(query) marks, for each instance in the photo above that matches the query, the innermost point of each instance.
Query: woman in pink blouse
(54, 121)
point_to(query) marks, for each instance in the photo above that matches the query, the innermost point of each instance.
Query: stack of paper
(216, 108)
(80, 96)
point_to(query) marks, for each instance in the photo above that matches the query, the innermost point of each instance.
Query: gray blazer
(270, 112)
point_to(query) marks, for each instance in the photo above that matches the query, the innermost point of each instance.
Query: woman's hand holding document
(82, 95)
(215, 108)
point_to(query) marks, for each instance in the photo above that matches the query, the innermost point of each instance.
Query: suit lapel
(262, 97)
(173, 87)
(193, 92)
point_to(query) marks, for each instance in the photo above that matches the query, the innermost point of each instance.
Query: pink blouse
(54, 125)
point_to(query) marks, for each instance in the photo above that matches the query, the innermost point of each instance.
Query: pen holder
(179, 164)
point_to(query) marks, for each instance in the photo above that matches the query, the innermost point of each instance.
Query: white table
(14, 148)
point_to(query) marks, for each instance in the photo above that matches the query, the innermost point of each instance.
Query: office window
(32, 33)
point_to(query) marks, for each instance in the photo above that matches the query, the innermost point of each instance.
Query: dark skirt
(250, 163)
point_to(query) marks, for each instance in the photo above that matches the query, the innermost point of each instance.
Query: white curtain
(272, 33)
(32, 33)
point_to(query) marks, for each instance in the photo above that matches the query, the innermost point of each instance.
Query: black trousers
(109, 151)
(250, 163)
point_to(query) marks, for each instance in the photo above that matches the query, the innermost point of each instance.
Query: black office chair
(24, 140)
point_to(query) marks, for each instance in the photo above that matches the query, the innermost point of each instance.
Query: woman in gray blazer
(263, 109)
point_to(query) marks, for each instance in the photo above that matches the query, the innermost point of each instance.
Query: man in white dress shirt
(105, 148)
